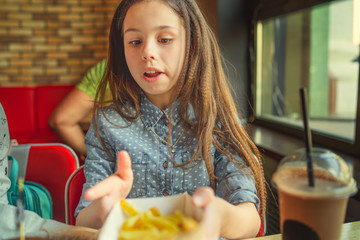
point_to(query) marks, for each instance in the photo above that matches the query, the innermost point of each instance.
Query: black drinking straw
(308, 142)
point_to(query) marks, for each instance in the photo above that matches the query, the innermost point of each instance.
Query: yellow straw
(20, 209)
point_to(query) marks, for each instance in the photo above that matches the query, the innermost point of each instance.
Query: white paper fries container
(166, 205)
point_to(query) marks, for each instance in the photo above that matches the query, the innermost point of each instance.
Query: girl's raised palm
(113, 188)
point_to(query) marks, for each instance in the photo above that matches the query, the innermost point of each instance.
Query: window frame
(271, 8)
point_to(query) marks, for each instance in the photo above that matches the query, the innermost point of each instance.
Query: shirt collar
(150, 114)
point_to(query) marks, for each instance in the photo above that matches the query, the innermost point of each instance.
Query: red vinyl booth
(73, 193)
(28, 109)
(49, 164)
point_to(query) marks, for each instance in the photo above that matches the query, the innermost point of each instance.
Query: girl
(174, 117)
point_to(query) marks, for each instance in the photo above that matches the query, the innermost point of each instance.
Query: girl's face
(154, 43)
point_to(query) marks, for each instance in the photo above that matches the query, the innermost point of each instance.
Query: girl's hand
(204, 198)
(221, 218)
(107, 192)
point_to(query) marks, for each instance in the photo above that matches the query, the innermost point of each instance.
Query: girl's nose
(148, 53)
(150, 57)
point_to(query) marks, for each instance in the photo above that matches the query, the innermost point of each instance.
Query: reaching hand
(115, 187)
(204, 198)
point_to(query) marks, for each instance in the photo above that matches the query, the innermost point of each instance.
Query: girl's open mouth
(151, 74)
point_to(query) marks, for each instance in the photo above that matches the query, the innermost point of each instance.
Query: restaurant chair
(73, 191)
(49, 164)
(262, 231)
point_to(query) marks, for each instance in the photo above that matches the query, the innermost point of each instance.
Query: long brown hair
(202, 83)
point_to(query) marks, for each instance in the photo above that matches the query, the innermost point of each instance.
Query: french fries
(151, 224)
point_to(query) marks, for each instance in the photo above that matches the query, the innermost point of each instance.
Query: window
(312, 48)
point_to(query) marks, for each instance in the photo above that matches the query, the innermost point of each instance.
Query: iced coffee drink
(313, 212)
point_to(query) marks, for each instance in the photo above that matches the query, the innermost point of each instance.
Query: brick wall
(52, 41)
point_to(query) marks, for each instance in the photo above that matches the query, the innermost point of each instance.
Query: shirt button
(165, 192)
(165, 165)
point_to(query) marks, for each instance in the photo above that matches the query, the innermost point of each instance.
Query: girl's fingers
(125, 173)
(103, 188)
(202, 196)
(124, 166)
(118, 184)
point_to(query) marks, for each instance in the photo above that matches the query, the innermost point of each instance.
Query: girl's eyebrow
(157, 28)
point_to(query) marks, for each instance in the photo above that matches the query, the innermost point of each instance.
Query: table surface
(350, 231)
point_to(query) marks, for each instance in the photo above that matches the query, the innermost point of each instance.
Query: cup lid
(328, 167)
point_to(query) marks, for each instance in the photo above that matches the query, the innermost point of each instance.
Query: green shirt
(89, 84)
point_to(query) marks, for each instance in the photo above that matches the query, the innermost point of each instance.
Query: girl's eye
(135, 42)
(165, 40)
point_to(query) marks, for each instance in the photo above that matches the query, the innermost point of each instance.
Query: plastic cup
(313, 213)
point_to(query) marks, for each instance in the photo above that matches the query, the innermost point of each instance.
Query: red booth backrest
(50, 164)
(19, 106)
(73, 192)
(28, 109)
(47, 98)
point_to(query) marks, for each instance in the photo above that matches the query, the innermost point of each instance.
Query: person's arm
(224, 219)
(65, 119)
(106, 193)
(236, 199)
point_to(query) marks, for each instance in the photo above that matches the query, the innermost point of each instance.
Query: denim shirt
(153, 168)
